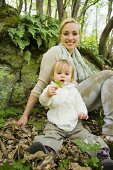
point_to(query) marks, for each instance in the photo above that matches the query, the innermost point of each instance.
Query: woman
(96, 89)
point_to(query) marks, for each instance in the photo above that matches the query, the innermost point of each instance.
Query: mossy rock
(9, 17)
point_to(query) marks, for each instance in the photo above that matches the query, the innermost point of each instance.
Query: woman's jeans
(97, 91)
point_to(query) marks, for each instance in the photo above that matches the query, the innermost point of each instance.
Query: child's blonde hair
(61, 64)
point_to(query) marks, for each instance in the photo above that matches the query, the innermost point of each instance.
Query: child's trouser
(53, 136)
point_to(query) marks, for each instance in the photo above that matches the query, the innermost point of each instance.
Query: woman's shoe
(107, 164)
(106, 161)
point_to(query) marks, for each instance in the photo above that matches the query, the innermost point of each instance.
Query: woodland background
(28, 28)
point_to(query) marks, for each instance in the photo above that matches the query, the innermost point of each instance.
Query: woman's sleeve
(49, 58)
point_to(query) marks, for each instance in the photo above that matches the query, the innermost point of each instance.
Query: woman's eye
(75, 33)
(66, 33)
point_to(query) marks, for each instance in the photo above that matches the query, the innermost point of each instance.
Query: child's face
(63, 74)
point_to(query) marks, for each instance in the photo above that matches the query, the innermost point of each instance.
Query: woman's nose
(70, 36)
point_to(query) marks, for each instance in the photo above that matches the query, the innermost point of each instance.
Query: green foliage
(90, 45)
(92, 50)
(41, 29)
(37, 124)
(64, 164)
(92, 149)
(15, 166)
(9, 112)
(2, 122)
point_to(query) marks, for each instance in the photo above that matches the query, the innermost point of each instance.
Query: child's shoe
(37, 146)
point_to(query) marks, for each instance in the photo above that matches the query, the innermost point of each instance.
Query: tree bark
(39, 6)
(2, 3)
(75, 8)
(30, 7)
(20, 6)
(103, 39)
(25, 2)
(60, 9)
(49, 8)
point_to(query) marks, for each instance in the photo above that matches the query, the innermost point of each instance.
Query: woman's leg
(97, 91)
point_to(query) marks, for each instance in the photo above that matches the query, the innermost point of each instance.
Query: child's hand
(83, 116)
(51, 91)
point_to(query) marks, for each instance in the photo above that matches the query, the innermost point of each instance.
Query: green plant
(37, 124)
(64, 164)
(91, 50)
(17, 165)
(93, 161)
(2, 122)
(41, 29)
(9, 112)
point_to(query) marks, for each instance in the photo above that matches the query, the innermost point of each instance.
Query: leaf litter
(15, 141)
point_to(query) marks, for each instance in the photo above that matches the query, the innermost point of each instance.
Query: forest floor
(15, 141)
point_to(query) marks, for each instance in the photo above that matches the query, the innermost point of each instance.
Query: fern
(39, 28)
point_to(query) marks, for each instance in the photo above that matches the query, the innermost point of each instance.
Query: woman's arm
(31, 102)
(49, 58)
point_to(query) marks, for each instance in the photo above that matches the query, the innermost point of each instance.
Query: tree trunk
(30, 7)
(2, 3)
(39, 6)
(25, 2)
(20, 6)
(49, 8)
(103, 39)
(109, 11)
(75, 8)
(60, 9)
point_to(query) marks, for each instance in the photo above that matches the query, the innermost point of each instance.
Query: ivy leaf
(58, 83)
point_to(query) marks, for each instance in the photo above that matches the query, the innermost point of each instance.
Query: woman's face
(70, 36)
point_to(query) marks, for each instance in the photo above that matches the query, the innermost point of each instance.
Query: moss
(9, 17)
(7, 11)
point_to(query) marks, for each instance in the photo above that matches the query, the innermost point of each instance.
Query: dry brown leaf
(3, 149)
(76, 166)
(13, 154)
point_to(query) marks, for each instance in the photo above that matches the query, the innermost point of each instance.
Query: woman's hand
(22, 121)
(83, 116)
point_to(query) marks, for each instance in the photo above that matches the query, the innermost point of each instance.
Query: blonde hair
(66, 21)
(61, 64)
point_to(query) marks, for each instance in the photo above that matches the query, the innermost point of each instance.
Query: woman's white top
(64, 107)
